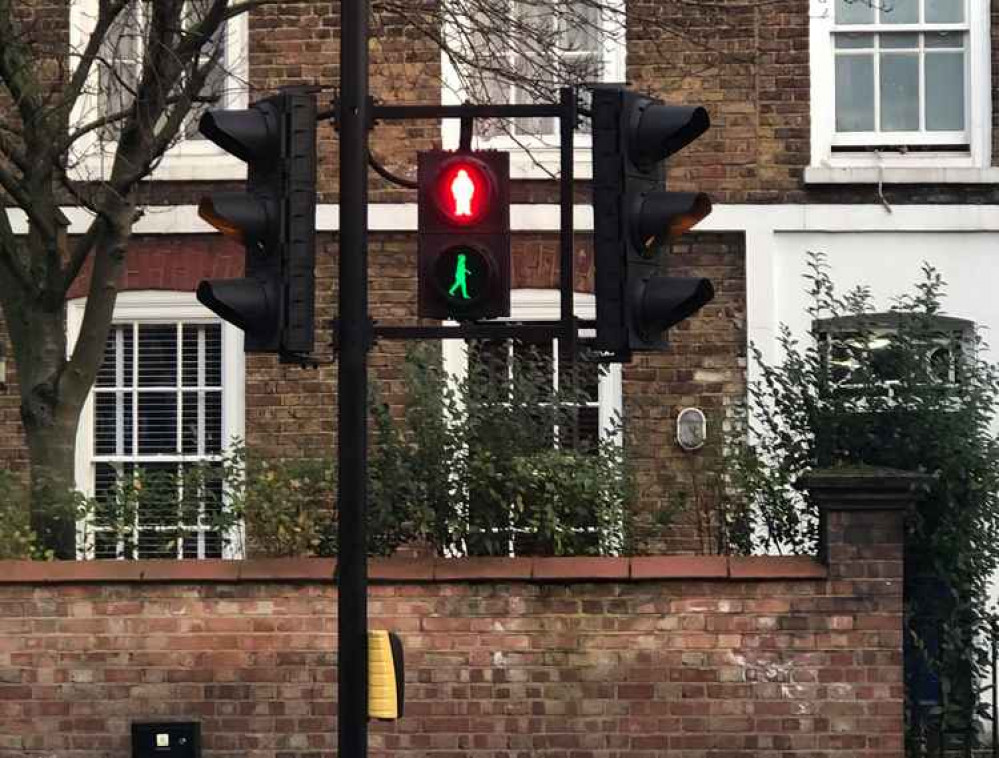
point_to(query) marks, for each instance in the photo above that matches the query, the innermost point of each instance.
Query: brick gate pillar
(862, 515)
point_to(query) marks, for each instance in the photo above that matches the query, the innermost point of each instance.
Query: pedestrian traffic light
(634, 217)
(464, 234)
(386, 681)
(274, 218)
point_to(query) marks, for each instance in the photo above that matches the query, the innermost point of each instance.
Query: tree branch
(14, 187)
(108, 12)
(8, 260)
(118, 117)
(16, 71)
(82, 249)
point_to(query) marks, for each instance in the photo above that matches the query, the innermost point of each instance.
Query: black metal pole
(567, 267)
(352, 384)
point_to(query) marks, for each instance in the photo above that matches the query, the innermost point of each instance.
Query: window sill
(173, 168)
(546, 163)
(215, 167)
(901, 175)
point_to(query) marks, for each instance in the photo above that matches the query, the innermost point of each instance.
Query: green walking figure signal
(460, 277)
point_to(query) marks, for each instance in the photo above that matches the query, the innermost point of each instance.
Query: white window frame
(537, 157)
(187, 160)
(886, 165)
(151, 306)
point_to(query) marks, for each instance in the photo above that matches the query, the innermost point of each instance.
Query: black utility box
(166, 740)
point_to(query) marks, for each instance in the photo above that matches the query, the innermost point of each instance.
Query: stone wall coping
(863, 488)
(418, 570)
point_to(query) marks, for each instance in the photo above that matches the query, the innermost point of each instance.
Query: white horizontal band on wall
(386, 217)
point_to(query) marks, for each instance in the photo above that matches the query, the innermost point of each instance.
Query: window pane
(589, 427)
(534, 364)
(213, 422)
(899, 93)
(109, 363)
(581, 27)
(213, 354)
(935, 40)
(900, 12)
(944, 11)
(854, 12)
(116, 366)
(158, 543)
(105, 483)
(898, 41)
(945, 92)
(489, 368)
(190, 372)
(854, 93)
(118, 69)
(158, 355)
(854, 40)
(189, 423)
(157, 422)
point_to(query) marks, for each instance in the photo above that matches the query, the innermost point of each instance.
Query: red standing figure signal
(464, 235)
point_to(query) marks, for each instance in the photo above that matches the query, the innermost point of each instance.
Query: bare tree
(134, 81)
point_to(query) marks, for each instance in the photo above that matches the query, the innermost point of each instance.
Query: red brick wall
(589, 658)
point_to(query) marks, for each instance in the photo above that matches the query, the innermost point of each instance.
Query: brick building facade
(788, 172)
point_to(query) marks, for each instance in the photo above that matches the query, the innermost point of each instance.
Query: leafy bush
(286, 505)
(492, 462)
(896, 408)
(468, 465)
(17, 539)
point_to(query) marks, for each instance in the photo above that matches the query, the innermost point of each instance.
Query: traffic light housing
(274, 218)
(635, 217)
(464, 234)
(386, 681)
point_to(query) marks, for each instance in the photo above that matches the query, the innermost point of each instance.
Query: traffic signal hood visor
(659, 216)
(247, 303)
(658, 131)
(251, 134)
(666, 301)
(239, 215)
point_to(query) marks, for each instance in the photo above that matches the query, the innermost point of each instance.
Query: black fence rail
(957, 724)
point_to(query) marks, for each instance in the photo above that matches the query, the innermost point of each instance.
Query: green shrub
(467, 466)
(17, 539)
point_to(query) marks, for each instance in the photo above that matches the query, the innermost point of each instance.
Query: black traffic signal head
(464, 234)
(274, 218)
(634, 217)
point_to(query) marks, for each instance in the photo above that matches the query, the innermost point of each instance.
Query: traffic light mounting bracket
(567, 112)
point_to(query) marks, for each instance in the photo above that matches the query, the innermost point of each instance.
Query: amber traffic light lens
(207, 211)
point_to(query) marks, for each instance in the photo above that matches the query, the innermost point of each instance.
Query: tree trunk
(50, 411)
(51, 449)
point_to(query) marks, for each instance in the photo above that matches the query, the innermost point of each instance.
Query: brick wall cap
(776, 567)
(680, 567)
(414, 570)
(862, 487)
